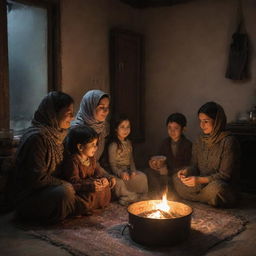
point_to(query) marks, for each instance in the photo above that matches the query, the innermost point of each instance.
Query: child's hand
(125, 176)
(98, 185)
(112, 182)
(104, 182)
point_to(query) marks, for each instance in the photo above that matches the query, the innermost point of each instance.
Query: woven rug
(101, 234)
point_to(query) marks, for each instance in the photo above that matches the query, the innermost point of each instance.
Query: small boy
(177, 150)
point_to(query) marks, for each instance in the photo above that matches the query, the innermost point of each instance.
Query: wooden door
(126, 73)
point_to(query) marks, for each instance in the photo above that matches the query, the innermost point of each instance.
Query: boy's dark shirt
(183, 154)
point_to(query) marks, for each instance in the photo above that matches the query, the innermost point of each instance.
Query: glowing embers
(160, 210)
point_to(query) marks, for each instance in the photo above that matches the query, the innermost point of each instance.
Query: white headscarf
(85, 116)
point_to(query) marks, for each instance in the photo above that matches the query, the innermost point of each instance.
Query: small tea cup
(157, 162)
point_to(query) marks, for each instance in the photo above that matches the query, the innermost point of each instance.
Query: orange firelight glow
(163, 206)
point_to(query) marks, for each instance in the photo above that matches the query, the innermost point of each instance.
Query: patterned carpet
(101, 234)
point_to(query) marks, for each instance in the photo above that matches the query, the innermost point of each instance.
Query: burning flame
(162, 206)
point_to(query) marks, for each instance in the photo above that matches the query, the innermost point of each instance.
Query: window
(28, 62)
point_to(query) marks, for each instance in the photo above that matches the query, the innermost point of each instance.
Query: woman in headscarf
(215, 165)
(39, 193)
(93, 112)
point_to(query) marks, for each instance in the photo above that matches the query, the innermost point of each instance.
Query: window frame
(53, 53)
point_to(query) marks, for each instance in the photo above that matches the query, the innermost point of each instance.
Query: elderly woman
(215, 162)
(94, 109)
(40, 194)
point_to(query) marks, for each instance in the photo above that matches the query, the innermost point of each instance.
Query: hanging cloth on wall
(237, 68)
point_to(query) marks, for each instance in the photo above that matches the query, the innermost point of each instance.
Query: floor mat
(101, 234)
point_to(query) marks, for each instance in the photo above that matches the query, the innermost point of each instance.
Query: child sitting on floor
(132, 184)
(177, 150)
(79, 168)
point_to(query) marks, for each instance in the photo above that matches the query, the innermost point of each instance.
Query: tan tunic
(121, 160)
(220, 163)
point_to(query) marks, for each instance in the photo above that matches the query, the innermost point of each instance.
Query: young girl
(131, 184)
(79, 168)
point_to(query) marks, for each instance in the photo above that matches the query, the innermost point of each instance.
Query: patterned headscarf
(85, 116)
(218, 132)
(46, 124)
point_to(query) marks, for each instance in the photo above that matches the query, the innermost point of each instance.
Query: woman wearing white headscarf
(94, 109)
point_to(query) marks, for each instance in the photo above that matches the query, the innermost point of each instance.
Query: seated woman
(39, 194)
(79, 167)
(215, 162)
(93, 112)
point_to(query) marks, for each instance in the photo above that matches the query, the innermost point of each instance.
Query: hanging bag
(237, 68)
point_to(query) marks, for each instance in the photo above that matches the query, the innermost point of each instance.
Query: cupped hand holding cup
(158, 163)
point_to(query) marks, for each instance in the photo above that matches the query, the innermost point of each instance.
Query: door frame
(113, 34)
